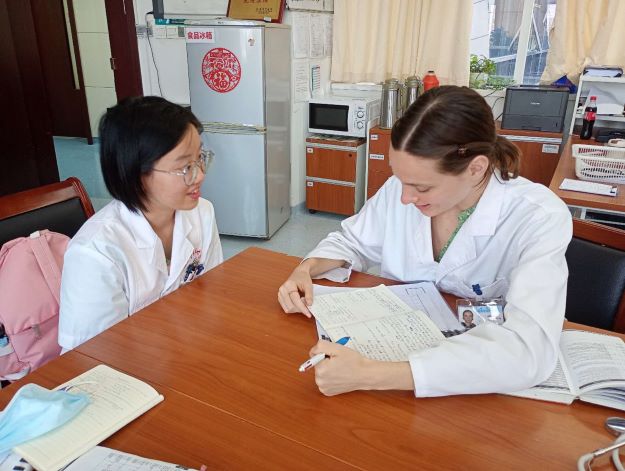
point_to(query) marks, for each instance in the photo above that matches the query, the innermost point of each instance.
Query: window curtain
(585, 32)
(378, 39)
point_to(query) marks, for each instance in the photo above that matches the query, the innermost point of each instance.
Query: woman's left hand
(343, 372)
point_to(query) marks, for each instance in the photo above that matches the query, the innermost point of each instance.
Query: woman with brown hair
(455, 213)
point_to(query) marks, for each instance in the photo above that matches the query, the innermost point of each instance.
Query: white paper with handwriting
(380, 325)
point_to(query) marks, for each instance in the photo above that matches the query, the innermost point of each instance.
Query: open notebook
(116, 400)
(380, 325)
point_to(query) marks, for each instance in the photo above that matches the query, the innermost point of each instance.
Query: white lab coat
(115, 265)
(513, 245)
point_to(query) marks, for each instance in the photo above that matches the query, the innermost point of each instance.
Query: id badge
(473, 312)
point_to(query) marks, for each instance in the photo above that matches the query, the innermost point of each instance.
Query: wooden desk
(184, 430)
(221, 347)
(566, 169)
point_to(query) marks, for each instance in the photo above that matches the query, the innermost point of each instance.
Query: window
(515, 35)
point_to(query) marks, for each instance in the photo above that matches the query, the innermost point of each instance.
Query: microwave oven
(342, 115)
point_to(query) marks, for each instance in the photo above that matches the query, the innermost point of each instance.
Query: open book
(380, 325)
(591, 368)
(116, 400)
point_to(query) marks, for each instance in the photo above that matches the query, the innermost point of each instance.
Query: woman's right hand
(290, 293)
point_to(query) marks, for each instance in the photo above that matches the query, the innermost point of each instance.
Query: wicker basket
(599, 163)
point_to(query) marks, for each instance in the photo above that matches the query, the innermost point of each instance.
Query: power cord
(158, 78)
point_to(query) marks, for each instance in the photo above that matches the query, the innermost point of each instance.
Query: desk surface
(566, 169)
(225, 357)
(184, 430)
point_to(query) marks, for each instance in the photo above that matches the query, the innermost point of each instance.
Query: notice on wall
(327, 34)
(301, 35)
(301, 80)
(317, 35)
(312, 35)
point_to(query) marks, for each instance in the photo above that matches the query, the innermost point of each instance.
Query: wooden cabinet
(378, 167)
(335, 174)
(541, 152)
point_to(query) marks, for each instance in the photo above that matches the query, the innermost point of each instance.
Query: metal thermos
(413, 88)
(391, 103)
(401, 95)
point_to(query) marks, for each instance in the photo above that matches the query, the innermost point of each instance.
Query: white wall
(95, 53)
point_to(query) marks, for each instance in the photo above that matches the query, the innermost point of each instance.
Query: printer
(535, 108)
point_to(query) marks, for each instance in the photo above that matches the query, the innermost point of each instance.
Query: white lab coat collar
(143, 234)
(483, 222)
(148, 242)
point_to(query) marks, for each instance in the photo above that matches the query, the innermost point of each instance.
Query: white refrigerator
(240, 86)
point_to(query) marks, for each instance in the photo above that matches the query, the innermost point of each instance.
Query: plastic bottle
(430, 81)
(590, 114)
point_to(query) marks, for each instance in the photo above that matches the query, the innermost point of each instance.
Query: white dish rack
(599, 163)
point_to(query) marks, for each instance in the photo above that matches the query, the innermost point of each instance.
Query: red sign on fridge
(221, 70)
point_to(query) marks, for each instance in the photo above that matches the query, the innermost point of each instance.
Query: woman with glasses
(155, 235)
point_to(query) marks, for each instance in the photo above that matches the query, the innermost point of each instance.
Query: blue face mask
(34, 411)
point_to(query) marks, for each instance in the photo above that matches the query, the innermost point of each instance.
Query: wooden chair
(60, 207)
(596, 288)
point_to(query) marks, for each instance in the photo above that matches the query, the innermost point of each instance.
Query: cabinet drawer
(323, 196)
(331, 164)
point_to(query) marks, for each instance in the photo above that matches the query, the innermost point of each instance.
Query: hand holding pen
(315, 360)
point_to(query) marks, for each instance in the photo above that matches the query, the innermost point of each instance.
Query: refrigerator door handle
(233, 128)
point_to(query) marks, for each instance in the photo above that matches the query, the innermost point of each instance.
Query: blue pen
(319, 357)
(476, 289)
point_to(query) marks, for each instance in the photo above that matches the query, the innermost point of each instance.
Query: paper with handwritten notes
(380, 325)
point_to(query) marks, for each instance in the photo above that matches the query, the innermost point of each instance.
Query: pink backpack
(30, 284)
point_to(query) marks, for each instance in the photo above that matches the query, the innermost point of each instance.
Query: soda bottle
(590, 114)
(430, 81)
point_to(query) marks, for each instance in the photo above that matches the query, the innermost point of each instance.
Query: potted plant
(480, 67)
